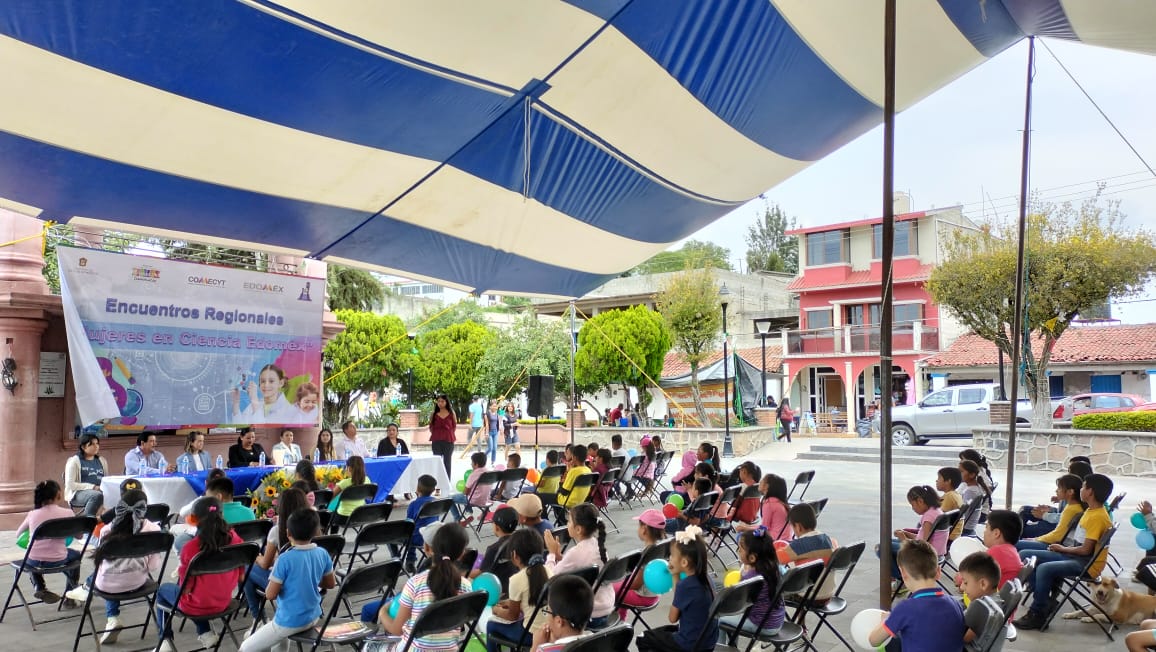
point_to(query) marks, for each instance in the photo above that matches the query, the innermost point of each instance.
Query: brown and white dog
(1124, 607)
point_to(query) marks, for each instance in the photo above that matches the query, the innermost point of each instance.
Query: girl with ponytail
(589, 535)
(527, 552)
(205, 594)
(443, 580)
(48, 500)
(693, 595)
(759, 558)
(924, 501)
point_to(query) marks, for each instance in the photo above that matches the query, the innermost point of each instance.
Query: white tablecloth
(423, 464)
(172, 491)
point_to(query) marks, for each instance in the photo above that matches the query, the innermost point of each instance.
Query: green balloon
(466, 477)
(22, 540)
(461, 486)
(676, 500)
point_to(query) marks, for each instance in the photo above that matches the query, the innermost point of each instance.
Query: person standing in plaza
(443, 430)
(477, 418)
(786, 417)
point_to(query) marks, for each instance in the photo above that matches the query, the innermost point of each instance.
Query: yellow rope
(43, 235)
(388, 344)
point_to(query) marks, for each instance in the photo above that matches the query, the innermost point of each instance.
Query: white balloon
(963, 547)
(863, 624)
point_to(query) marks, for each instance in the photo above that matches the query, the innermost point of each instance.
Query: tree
(618, 346)
(215, 255)
(350, 288)
(689, 305)
(447, 361)
(364, 334)
(692, 254)
(530, 347)
(466, 310)
(64, 233)
(769, 248)
(1076, 259)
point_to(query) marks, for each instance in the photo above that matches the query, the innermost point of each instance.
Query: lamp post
(728, 445)
(764, 328)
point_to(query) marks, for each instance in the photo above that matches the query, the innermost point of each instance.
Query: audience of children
(984, 622)
(929, 620)
(589, 549)
(49, 503)
(651, 531)
(693, 595)
(773, 510)
(529, 508)
(291, 501)
(924, 501)
(355, 466)
(969, 491)
(756, 552)
(1043, 519)
(1068, 488)
(527, 552)
(496, 559)
(809, 543)
(571, 601)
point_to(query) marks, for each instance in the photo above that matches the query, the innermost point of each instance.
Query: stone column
(578, 417)
(22, 322)
(765, 417)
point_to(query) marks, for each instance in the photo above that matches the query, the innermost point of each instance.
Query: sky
(962, 145)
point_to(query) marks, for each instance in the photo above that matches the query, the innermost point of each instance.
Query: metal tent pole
(887, 309)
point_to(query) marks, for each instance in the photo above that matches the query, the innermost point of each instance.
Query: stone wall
(1112, 453)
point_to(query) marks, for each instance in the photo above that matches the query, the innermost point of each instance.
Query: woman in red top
(786, 419)
(206, 594)
(443, 430)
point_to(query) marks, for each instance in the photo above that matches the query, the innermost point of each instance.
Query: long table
(176, 489)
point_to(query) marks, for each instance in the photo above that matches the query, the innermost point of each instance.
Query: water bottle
(316, 456)
(261, 459)
(184, 466)
(220, 462)
(348, 453)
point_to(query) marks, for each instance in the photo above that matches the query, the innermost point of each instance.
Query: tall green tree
(689, 306)
(447, 361)
(466, 310)
(769, 248)
(692, 254)
(350, 288)
(364, 334)
(1077, 258)
(530, 347)
(215, 254)
(617, 346)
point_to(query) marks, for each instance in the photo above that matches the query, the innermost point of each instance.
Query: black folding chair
(562, 534)
(256, 531)
(720, 534)
(588, 573)
(549, 475)
(731, 601)
(479, 497)
(611, 639)
(74, 527)
(227, 559)
(803, 480)
(515, 476)
(366, 580)
(616, 569)
(160, 514)
(459, 613)
(1011, 594)
(358, 493)
(398, 535)
(366, 514)
(605, 487)
(660, 550)
(584, 482)
(321, 499)
(1073, 586)
(842, 560)
(141, 546)
(627, 490)
(661, 465)
(334, 544)
(797, 580)
(701, 507)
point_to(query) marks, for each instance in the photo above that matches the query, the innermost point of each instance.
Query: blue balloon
(1145, 540)
(656, 577)
(1137, 521)
(393, 605)
(489, 583)
(542, 466)
(632, 452)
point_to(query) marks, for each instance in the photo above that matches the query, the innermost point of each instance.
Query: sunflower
(255, 502)
(285, 484)
(270, 491)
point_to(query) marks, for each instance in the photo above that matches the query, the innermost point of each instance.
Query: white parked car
(949, 413)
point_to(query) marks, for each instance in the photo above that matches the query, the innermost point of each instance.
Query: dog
(1123, 607)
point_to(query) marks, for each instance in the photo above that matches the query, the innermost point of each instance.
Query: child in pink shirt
(48, 499)
(773, 512)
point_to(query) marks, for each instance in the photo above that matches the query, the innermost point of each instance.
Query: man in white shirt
(351, 444)
(145, 459)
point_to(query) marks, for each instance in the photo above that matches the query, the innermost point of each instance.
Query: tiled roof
(864, 277)
(1085, 344)
(675, 366)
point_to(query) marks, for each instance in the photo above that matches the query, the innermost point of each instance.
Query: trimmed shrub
(1127, 421)
(542, 422)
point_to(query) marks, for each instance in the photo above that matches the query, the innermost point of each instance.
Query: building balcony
(906, 337)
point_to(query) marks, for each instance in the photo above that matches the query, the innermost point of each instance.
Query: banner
(157, 343)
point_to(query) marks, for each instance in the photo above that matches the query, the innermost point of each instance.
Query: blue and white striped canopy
(515, 146)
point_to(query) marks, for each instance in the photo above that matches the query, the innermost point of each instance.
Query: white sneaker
(208, 639)
(1011, 632)
(110, 637)
(167, 646)
(80, 594)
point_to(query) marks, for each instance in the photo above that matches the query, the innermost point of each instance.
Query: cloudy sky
(962, 146)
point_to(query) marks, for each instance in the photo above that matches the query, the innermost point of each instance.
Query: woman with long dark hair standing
(443, 431)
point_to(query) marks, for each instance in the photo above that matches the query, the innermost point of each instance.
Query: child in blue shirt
(294, 582)
(425, 488)
(929, 620)
(693, 595)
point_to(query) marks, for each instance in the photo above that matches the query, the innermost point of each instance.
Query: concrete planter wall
(1112, 452)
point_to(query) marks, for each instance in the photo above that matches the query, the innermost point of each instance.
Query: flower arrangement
(267, 495)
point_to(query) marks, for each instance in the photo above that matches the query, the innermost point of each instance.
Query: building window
(908, 312)
(906, 239)
(819, 318)
(827, 248)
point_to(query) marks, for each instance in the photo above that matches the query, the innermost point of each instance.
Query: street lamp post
(728, 445)
(764, 328)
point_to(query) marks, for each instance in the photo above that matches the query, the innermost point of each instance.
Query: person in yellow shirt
(948, 480)
(1068, 488)
(568, 496)
(1060, 561)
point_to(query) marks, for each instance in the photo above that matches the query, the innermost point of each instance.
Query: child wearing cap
(651, 530)
(529, 508)
(496, 559)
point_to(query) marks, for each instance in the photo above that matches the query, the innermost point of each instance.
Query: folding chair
(661, 465)
(611, 639)
(589, 573)
(626, 480)
(1113, 564)
(479, 497)
(458, 613)
(721, 534)
(797, 580)
(75, 527)
(256, 531)
(731, 601)
(140, 546)
(363, 581)
(605, 485)
(396, 534)
(1011, 594)
(701, 507)
(366, 514)
(334, 544)
(160, 514)
(660, 550)
(360, 493)
(516, 476)
(550, 475)
(616, 569)
(638, 482)
(585, 481)
(803, 480)
(229, 558)
(842, 560)
(1073, 586)
(321, 499)
(942, 524)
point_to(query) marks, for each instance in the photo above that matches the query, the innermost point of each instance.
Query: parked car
(1094, 402)
(949, 413)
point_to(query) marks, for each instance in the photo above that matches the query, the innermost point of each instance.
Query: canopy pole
(1018, 317)
(573, 392)
(887, 309)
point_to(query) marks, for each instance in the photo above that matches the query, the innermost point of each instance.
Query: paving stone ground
(851, 515)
